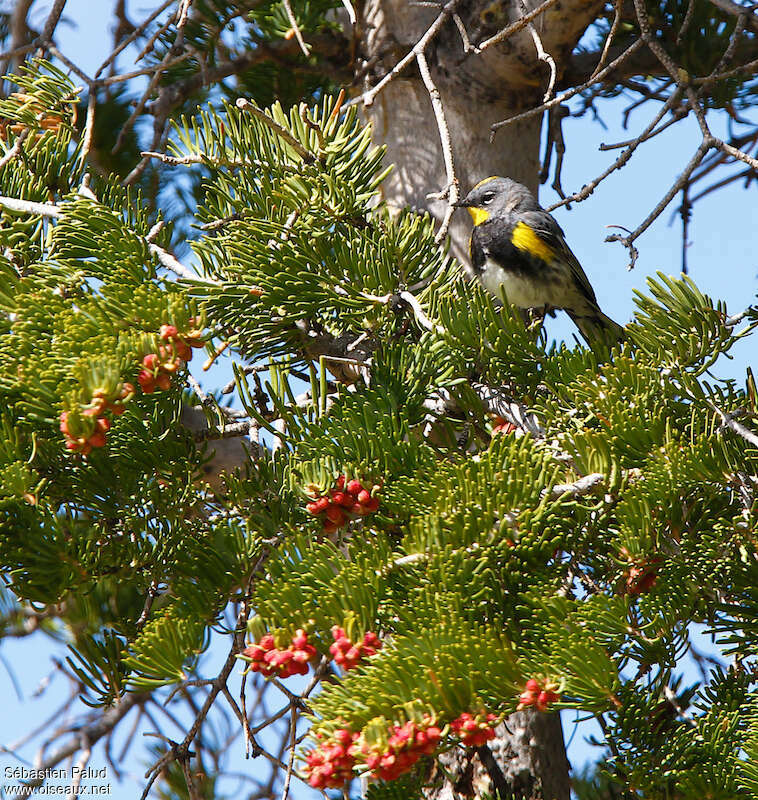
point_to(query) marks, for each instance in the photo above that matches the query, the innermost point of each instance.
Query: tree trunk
(475, 89)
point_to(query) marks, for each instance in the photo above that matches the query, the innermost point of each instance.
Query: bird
(519, 246)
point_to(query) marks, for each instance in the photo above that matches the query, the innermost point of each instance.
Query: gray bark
(476, 90)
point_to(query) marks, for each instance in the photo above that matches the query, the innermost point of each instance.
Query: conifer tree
(419, 524)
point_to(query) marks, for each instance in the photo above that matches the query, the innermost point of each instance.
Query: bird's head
(494, 197)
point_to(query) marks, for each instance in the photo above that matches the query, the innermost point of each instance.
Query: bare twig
(170, 54)
(16, 149)
(686, 21)
(542, 55)
(621, 161)
(561, 98)
(90, 734)
(78, 770)
(609, 39)
(421, 45)
(291, 762)
(447, 150)
(728, 421)
(170, 262)
(296, 28)
(628, 240)
(586, 485)
(51, 23)
(515, 27)
(30, 207)
(89, 125)
(134, 35)
(737, 10)
(152, 593)
(709, 141)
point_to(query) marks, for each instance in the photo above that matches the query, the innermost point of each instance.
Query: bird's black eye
(488, 198)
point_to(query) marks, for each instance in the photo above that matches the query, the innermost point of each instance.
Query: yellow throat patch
(525, 239)
(479, 215)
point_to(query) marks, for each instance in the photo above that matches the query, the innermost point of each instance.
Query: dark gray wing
(550, 232)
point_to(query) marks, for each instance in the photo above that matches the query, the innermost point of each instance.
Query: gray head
(497, 196)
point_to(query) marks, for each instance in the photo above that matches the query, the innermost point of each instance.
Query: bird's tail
(597, 328)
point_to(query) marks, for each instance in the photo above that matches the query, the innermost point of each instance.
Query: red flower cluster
(87, 431)
(406, 744)
(538, 696)
(502, 425)
(157, 368)
(343, 503)
(640, 576)
(475, 730)
(267, 659)
(82, 443)
(330, 765)
(347, 654)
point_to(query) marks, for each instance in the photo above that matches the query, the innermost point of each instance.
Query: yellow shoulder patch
(524, 238)
(486, 180)
(479, 215)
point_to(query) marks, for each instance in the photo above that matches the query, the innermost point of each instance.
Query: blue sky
(722, 261)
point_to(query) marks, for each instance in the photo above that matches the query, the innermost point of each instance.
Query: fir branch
(282, 133)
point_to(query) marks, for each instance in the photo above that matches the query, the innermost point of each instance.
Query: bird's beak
(461, 204)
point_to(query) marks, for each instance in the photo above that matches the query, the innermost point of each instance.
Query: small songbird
(516, 244)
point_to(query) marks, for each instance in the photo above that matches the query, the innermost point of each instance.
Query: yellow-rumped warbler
(516, 244)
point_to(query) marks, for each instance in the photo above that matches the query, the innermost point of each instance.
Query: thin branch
(89, 125)
(609, 39)
(685, 22)
(621, 161)
(152, 593)
(51, 23)
(127, 76)
(542, 55)
(181, 751)
(586, 485)
(90, 734)
(78, 771)
(54, 51)
(728, 421)
(16, 149)
(515, 27)
(134, 35)
(561, 98)
(170, 54)
(628, 240)
(291, 762)
(296, 28)
(447, 150)
(171, 263)
(421, 45)
(20, 33)
(30, 207)
(730, 7)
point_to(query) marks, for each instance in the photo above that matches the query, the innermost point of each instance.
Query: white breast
(520, 290)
